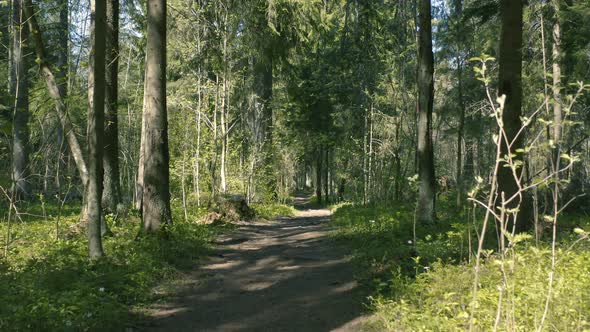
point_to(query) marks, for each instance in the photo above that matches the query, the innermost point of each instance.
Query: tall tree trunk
(224, 107)
(263, 84)
(319, 175)
(19, 88)
(556, 58)
(111, 195)
(223, 120)
(460, 100)
(62, 78)
(156, 175)
(510, 85)
(197, 178)
(426, 200)
(54, 91)
(95, 132)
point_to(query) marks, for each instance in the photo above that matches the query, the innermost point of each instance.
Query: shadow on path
(285, 275)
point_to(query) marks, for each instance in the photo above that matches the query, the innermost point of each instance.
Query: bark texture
(61, 75)
(19, 88)
(510, 85)
(155, 205)
(111, 195)
(95, 131)
(425, 212)
(556, 58)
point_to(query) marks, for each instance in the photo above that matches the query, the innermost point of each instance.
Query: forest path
(281, 275)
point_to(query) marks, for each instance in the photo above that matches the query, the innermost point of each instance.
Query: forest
(295, 165)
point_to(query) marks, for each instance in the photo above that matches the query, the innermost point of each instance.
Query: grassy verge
(428, 287)
(272, 211)
(49, 284)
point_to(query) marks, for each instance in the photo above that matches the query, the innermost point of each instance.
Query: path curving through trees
(283, 275)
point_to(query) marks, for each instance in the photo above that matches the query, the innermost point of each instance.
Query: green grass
(429, 287)
(50, 285)
(272, 211)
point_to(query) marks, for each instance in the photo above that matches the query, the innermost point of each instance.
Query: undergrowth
(272, 211)
(428, 287)
(50, 285)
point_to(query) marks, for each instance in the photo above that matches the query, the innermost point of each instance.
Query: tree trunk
(263, 84)
(156, 175)
(461, 102)
(556, 58)
(426, 200)
(319, 174)
(19, 88)
(62, 80)
(54, 91)
(111, 195)
(95, 132)
(510, 85)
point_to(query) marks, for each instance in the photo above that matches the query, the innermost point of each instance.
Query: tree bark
(62, 81)
(510, 85)
(425, 213)
(54, 92)
(111, 195)
(319, 175)
(460, 100)
(263, 84)
(19, 88)
(156, 175)
(95, 132)
(556, 58)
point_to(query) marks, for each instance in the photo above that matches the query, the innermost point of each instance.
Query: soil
(281, 275)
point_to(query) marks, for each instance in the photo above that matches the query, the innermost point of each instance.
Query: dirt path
(284, 275)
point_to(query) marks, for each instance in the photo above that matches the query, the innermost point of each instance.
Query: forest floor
(280, 275)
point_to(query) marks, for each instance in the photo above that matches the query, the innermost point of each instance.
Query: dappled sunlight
(285, 275)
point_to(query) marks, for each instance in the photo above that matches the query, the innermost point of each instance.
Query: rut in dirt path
(284, 275)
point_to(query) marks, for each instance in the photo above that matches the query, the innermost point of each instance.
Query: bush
(273, 210)
(440, 299)
(429, 287)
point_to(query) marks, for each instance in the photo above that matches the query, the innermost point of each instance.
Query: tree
(510, 85)
(19, 88)
(425, 211)
(55, 93)
(556, 59)
(111, 195)
(63, 78)
(155, 201)
(95, 131)
(458, 16)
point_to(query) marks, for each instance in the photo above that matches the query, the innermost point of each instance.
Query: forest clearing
(294, 165)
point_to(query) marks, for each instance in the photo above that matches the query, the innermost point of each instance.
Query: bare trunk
(111, 195)
(318, 182)
(19, 88)
(156, 174)
(95, 131)
(62, 78)
(223, 184)
(510, 85)
(556, 58)
(461, 102)
(426, 200)
(198, 152)
(370, 188)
